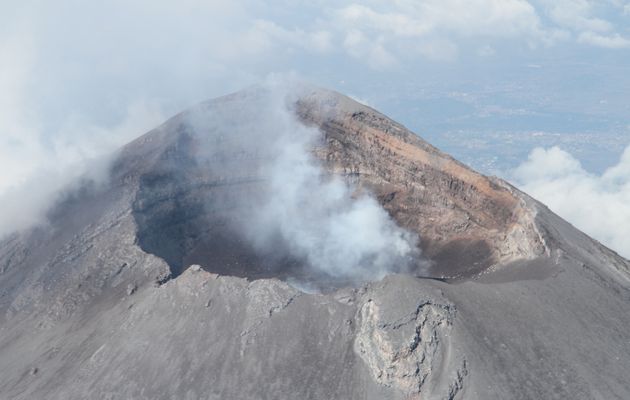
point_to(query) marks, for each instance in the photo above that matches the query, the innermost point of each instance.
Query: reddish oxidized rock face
(467, 222)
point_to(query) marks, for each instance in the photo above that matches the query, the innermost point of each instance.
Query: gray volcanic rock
(103, 302)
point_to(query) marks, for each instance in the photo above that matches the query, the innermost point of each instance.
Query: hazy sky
(78, 79)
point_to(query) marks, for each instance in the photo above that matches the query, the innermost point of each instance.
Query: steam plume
(316, 217)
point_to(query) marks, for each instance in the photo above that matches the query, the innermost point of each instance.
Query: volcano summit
(294, 243)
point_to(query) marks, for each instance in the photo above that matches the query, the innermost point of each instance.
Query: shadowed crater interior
(187, 215)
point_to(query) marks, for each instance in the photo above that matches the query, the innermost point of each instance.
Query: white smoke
(599, 205)
(318, 218)
(39, 159)
(38, 171)
(318, 215)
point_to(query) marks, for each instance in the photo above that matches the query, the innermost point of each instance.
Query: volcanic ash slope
(103, 302)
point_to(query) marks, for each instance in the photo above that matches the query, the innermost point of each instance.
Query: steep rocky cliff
(103, 301)
(467, 222)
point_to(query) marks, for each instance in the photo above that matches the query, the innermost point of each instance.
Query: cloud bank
(38, 170)
(599, 205)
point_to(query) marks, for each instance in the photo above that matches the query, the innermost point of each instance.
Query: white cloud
(486, 51)
(417, 19)
(577, 15)
(71, 94)
(362, 17)
(614, 41)
(432, 28)
(271, 33)
(372, 51)
(438, 49)
(41, 169)
(436, 29)
(596, 204)
(18, 138)
(37, 162)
